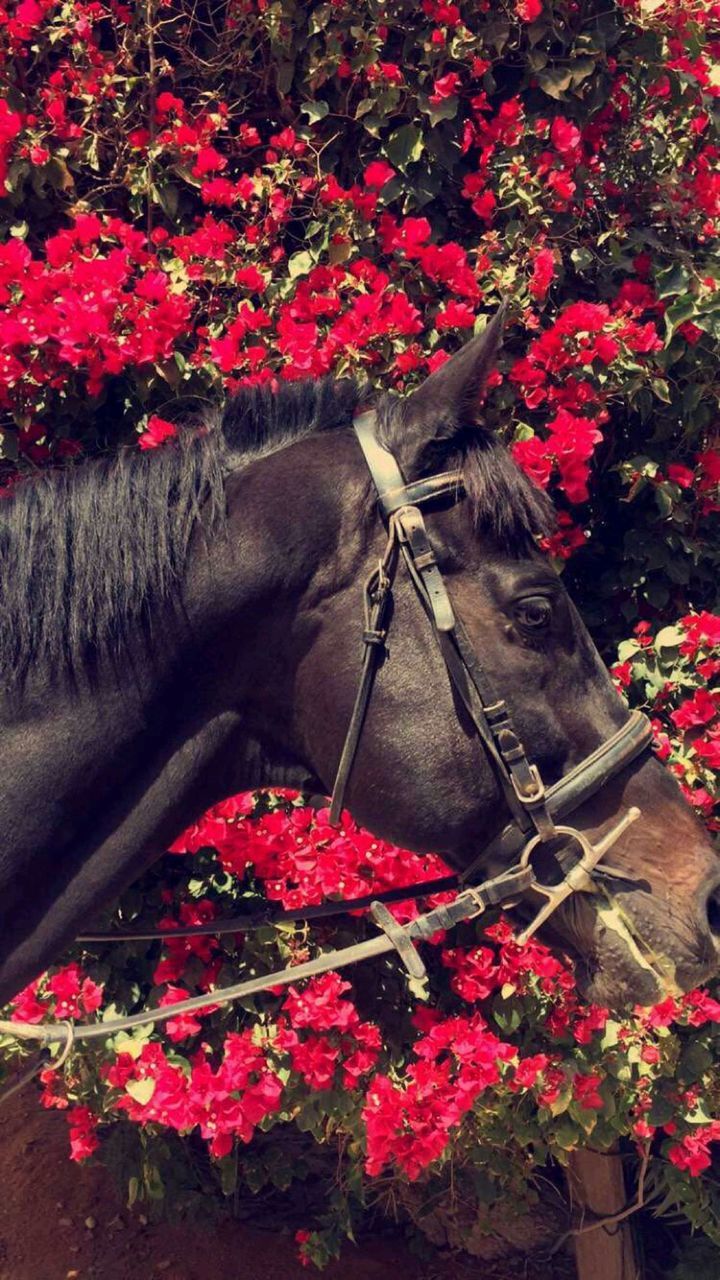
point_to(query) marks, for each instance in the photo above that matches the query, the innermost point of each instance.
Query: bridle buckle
(537, 795)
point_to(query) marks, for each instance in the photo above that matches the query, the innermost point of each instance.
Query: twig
(152, 95)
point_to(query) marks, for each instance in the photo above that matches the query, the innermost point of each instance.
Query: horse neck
(102, 774)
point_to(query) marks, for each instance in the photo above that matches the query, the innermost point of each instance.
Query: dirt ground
(62, 1221)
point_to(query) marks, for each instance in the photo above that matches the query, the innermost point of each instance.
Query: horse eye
(533, 612)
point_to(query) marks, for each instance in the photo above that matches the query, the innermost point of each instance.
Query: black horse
(182, 625)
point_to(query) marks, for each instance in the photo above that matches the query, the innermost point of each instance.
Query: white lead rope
(395, 937)
(56, 1032)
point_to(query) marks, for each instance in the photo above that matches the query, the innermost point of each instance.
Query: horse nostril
(713, 913)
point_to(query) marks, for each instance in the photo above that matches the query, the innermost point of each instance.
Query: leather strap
(631, 740)
(381, 463)
(447, 484)
(418, 551)
(376, 597)
(392, 490)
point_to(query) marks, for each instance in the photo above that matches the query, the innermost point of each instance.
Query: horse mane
(87, 551)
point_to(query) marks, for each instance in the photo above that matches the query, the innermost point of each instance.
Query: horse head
(424, 779)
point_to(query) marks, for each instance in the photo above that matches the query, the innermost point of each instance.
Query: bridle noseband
(533, 807)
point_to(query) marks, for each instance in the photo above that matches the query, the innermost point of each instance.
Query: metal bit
(579, 879)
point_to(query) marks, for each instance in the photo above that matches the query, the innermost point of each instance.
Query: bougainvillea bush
(195, 197)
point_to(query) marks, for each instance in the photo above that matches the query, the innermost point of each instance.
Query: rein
(533, 807)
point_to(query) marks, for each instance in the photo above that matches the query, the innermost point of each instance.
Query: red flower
(250, 278)
(314, 1058)
(572, 441)
(586, 1092)
(83, 1138)
(528, 10)
(27, 1007)
(699, 709)
(528, 1071)
(532, 455)
(542, 274)
(377, 174)
(157, 432)
(708, 749)
(388, 71)
(456, 315)
(622, 674)
(320, 1005)
(184, 1025)
(703, 1008)
(209, 160)
(74, 994)
(565, 136)
(692, 1152)
(444, 87)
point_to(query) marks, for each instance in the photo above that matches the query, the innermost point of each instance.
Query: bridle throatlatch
(534, 809)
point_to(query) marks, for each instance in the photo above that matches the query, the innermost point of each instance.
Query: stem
(152, 96)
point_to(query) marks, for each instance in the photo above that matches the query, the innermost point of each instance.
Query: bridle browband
(533, 807)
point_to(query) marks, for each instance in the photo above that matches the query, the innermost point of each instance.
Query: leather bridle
(533, 808)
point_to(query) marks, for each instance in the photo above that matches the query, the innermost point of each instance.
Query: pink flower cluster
(557, 374)
(410, 1125)
(303, 860)
(223, 1102)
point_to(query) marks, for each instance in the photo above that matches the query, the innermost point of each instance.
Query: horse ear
(447, 402)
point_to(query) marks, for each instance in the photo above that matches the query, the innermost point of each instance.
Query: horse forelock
(506, 505)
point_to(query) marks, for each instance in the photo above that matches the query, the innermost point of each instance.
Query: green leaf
(709, 321)
(669, 638)
(315, 110)
(695, 1061)
(657, 594)
(228, 1174)
(168, 196)
(59, 175)
(610, 1035)
(437, 111)
(662, 1111)
(363, 107)
(152, 1179)
(581, 259)
(141, 1090)
(674, 279)
(555, 81)
(284, 76)
(404, 146)
(567, 1135)
(300, 264)
(661, 390)
(664, 500)
(678, 313)
(580, 69)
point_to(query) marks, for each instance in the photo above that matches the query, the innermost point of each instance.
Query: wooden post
(597, 1187)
